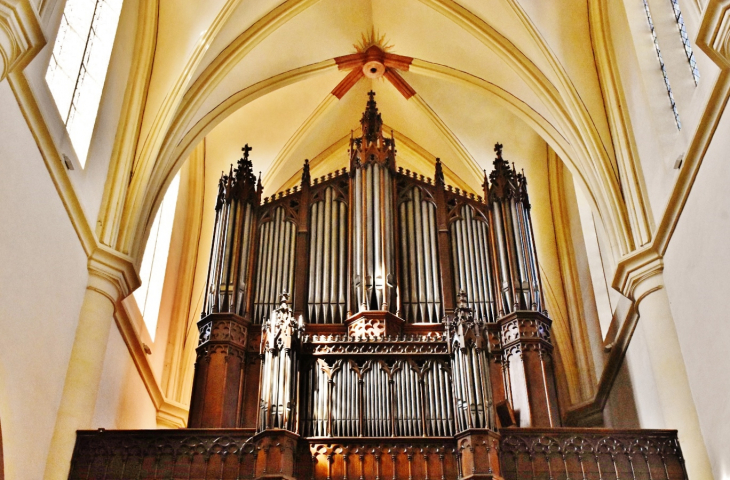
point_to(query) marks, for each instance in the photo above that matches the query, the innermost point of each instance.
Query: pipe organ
(374, 302)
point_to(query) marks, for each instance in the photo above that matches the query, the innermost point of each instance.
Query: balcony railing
(587, 454)
(532, 454)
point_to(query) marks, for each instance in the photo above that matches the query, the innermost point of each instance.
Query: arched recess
(583, 170)
(157, 159)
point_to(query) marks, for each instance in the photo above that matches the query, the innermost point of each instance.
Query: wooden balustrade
(524, 453)
(588, 454)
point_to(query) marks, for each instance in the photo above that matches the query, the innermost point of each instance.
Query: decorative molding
(21, 37)
(569, 328)
(172, 415)
(116, 268)
(619, 123)
(128, 131)
(714, 35)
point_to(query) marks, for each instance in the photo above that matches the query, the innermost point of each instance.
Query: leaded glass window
(661, 65)
(685, 41)
(79, 64)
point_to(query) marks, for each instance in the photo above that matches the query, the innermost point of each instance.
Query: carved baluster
(441, 461)
(393, 455)
(424, 451)
(361, 456)
(409, 455)
(376, 453)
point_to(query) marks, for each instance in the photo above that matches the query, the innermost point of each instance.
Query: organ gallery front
(377, 323)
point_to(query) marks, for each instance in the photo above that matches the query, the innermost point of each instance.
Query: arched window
(154, 262)
(79, 64)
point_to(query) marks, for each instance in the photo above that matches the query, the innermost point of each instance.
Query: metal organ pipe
(470, 253)
(515, 243)
(238, 194)
(372, 160)
(328, 243)
(421, 280)
(275, 273)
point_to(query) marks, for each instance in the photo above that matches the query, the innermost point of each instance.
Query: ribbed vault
(268, 74)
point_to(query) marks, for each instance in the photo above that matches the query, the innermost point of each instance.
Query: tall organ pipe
(275, 272)
(228, 269)
(279, 380)
(420, 276)
(328, 243)
(470, 247)
(514, 242)
(372, 162)
(472, 388)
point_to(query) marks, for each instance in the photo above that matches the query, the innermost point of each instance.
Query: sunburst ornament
(372, 39)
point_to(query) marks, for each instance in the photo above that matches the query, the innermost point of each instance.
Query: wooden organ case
(375, 324)
(372, 309)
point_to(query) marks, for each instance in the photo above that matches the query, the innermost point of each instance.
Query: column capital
(21, 37)
(112, 273)
(714, 34)
(639, 274)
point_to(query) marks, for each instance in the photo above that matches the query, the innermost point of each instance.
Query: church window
(154, 261)
(685, 41)
(79, 64)
(661, 65)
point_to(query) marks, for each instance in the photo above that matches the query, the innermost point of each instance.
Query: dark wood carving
(415, 339)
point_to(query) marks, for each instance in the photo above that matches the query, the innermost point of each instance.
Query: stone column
(112, 277)
(645, 286)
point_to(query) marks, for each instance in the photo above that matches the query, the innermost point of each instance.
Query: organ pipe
(327, 260)
(228, 270)
(279, 367)
(420, 278)
(370, 244)
(275, 273)
(466, 337)
(372, 162)
(470, 247)
(513, 240)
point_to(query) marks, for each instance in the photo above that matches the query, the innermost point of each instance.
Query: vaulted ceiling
(476, 72)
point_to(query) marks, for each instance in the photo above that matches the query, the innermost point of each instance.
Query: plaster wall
(695, 275)
(122, 401)
(43, 278)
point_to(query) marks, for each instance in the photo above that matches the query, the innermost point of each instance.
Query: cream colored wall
(122, 402)
(697, 263)
(43, 277)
